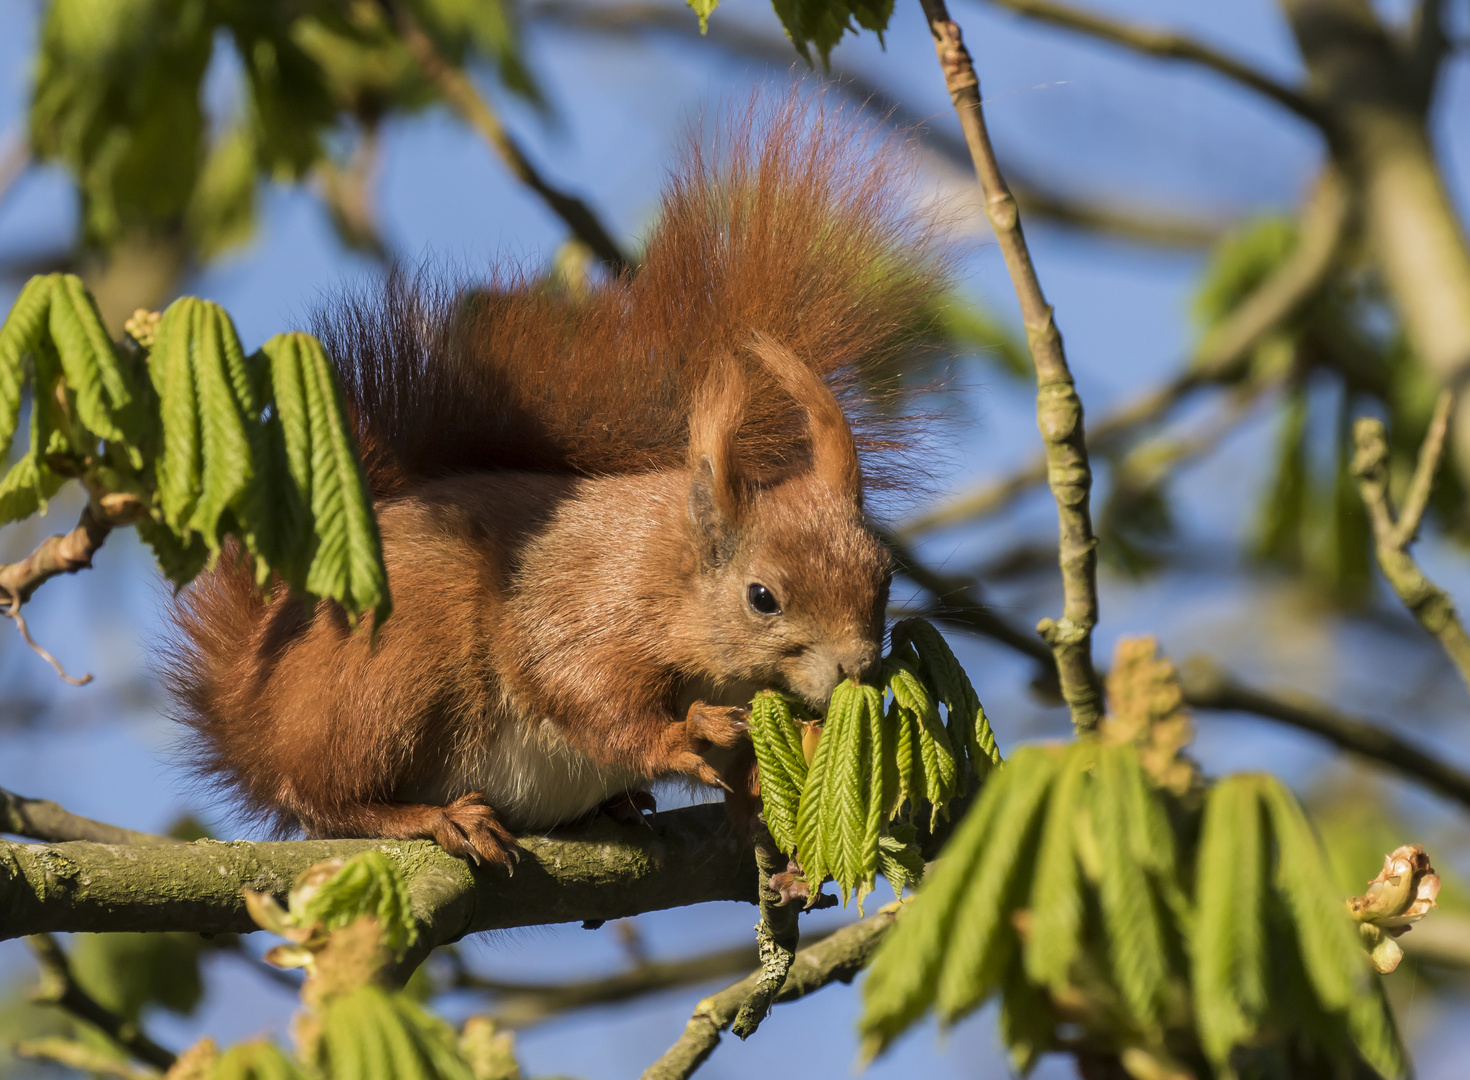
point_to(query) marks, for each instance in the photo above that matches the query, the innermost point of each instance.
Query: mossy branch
(599, 871)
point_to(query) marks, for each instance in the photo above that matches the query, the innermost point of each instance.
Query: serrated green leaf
(107, 400)
(878, 755)
(901, 982)
(20, 335)
(1028, 1020)
(983, 937)
(128, 973)
(1136, 945)
(1055, 936)
(1228, 940)
(348, 566)
(899, 858)
(782, 767)
(370, 1034)
(821, 23)
(967, 725)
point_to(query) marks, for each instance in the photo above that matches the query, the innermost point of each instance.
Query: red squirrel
(608, 519)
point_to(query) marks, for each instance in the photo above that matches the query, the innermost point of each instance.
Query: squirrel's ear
(716, 489)
(834, 454)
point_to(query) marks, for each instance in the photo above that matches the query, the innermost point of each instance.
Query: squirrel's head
(792, 583)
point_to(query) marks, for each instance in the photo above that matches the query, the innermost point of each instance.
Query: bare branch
(1207, 686)
(1168, 45)
(347, 191)
(59, 987)
(1058, 408)
(63, 554)
(1220, 357)
(837, 959)
(15, 159)
(38, 819)
(1427, 602)
(460, 93)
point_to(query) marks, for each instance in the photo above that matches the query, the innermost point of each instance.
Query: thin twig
(59, 987)
(1427, 602)
(1168, 45)
(776, 938)
(837, 959)
(1058, 408)
(63, 554)
(347, 191)
(460, 93)
(1219, 357)
(80, 1056)
(1207, 686)
(39, 819)
(15, 158)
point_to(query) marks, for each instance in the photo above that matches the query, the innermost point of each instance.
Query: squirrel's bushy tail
(793, 223)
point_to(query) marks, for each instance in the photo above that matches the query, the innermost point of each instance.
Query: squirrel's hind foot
(468, 828)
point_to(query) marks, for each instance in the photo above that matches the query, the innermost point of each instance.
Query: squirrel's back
(794, 223)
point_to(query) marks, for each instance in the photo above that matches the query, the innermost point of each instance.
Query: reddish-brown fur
(577, 496)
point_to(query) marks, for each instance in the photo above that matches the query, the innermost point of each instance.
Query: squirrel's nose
(860, 664)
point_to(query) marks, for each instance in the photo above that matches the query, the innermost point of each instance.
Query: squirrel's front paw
(470, 828)
(719, 725)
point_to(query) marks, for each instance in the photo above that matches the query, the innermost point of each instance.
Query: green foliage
(130, 972)
(259, 1060)
(1063, 892)
(840, 814)
(371, 1034)
(819, 23)
(367, 884)
(209, 441)
(117, 98)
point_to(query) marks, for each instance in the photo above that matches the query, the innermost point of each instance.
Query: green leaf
(20, 335)
(938, 667)
(130, 972)
(1136, 946)
(1055, 937)
(899, 859)
(369, 884)
(116, 97)
(704, 9)
(901, 982)
(1228, 940)
(106, 398)
(348, 561)
(822, 23)
(783, 768)
(370, 1034)
(259, 1060)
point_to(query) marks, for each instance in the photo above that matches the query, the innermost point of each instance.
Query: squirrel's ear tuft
(834, 453)
(716, 488)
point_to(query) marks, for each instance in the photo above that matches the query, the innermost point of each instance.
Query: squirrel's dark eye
(762, 600)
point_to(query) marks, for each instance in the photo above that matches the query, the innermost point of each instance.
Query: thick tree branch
(59, 987)
(1058, 408)
(776, 937)
(1375, 104)
(1167, 45)
(602, 870)
(1207, 686)
(460, 93)
(1220, 357)
(1427, 602)
(38, 819)
(837, 959)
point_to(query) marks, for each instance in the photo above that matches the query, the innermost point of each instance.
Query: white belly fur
(530, 775)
